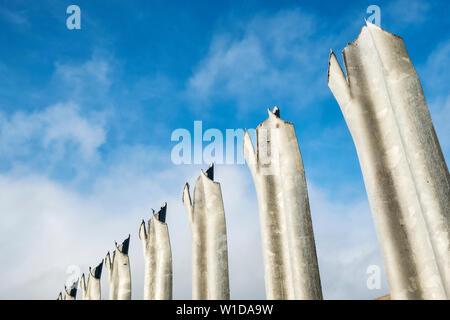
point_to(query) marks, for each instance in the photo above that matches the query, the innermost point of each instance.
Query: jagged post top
(123, 248)
(208, 175)
(83, 283)
(108, 261)
(94, 272)
(160, 216)
(274, 114)
(273, 122)
(73, 289)
(97, 270)
(334, 68)
(276, 111)
(142, 231)
(210, 172)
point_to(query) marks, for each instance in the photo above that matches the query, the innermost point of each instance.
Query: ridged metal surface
(92, 290)
(405, 174)
(209, 239)
(157, 257)
(119, 272)
(290, 262)
(70, 293)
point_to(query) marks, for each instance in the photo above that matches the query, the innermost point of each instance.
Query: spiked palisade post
(119, 272)
(405, 174)
(157, 257)
(91, 290)
(209, 238)
(290, 263)
(71, 293)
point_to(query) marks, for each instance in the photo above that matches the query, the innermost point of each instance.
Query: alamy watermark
(211, 146)
(226, 147)
(374, 280)
(74, 20)
(375, 16)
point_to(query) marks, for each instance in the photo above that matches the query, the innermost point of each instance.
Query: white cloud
(408, 11)
(55, 130)
(274, 57)
(59, 129)
(80, 76)
(47, 226)
(15, 17)
(88, 82)
(346, 245)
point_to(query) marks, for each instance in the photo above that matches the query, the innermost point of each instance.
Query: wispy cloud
(408, 11)
(49, 224)
(274, 58)
(346, 245)
(15, 17)
(86, 80)
(56, 130)
(52, 226)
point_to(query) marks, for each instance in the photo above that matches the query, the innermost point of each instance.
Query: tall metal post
(209, 238)
(71, 293)
(290, 263)
(119, 272)
(157, 257)
(405, 174)
(91, 290)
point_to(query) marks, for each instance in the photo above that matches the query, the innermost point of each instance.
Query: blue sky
(86, 118)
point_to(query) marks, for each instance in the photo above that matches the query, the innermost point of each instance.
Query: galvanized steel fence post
(209, 238)
(405, 174)
(290, 263)
(157, 257)
(119, 272)
(91, 290)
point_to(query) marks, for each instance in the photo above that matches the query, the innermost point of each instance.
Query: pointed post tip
(335, 72)
(276, 111)
(98, 270)
(186, 194)
(125, 245)
(162, 213)
(108, 262)
(142, 231)
(210, 172)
